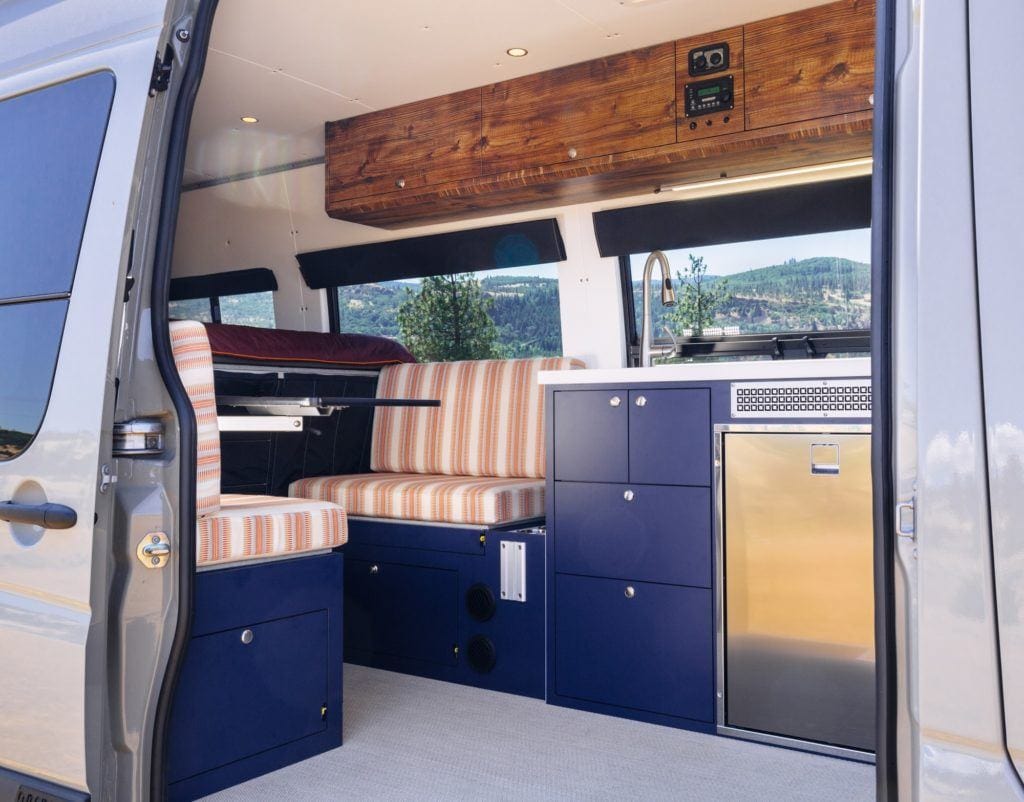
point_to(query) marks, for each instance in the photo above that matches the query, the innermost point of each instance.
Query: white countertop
(770, 370)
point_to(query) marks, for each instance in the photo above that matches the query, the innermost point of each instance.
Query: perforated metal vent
(817, 398)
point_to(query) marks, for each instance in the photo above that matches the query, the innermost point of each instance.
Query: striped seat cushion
(490, 422)
(420, 497)
(194, 361)
(259, 527)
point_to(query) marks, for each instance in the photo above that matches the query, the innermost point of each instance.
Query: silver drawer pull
(825, 459)
(374, 569)
(630, 591)
(629, 495)
(573, 153)
(614, 401)
(641, 401)
(246, 636)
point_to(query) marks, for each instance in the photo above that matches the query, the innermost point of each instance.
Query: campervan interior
(527, 344)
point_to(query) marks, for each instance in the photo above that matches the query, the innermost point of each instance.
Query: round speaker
(480, 602)
(481, 653)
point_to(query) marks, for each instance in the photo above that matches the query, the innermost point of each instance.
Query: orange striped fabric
(420, 497)
(259, 527)
(490, 422)
(194, 361)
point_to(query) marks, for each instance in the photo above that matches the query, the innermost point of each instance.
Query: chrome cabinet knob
(246, 636)
(374, 569)
(641, 401)
(614, 401)
(400, 183)
(630, 591)
(572, 153)
(629, 495)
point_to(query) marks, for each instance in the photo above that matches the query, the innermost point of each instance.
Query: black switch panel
(708, 97)
(708, 59)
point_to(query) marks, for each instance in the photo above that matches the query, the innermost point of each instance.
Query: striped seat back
(490, 422)
(194, 360)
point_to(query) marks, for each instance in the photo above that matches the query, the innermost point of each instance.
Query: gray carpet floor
(408, 738)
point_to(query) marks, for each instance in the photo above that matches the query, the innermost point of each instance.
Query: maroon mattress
(250, 344)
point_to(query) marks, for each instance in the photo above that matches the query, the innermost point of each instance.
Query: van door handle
(48, 516)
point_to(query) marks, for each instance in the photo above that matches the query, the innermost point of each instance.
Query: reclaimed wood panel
(610, 105)
(742, 153)
(726, 122)
(809, 64)
(405, 148)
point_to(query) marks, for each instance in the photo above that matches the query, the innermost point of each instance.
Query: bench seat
(480, 500)
(248, 527)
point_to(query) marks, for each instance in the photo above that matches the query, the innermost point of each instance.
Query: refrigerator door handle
(825, 459)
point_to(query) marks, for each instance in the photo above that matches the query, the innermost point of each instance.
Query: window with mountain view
(503, 313)
(810, 283)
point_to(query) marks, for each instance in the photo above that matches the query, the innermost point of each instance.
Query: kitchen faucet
(668, 298)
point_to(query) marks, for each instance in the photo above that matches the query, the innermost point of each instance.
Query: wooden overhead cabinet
(610, 105)
(405, 148)
(810, 64)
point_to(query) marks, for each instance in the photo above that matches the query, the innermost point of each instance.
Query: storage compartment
(404, 611)
(650, 533)
(635, 645)
(405, 148)
(611, 105)
(810, 64)
(591, 437)
(248, 689)
(670, 437)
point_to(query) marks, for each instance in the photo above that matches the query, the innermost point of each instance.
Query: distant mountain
(813, 294)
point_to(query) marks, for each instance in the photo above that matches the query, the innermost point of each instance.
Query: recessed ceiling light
(248, 119)
(517, 52)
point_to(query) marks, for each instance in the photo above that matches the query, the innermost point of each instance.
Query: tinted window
(503, 313)
(191, 309)
(248, 309)
(50, 143)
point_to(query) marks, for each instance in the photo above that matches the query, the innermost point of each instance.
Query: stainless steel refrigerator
(796, 597)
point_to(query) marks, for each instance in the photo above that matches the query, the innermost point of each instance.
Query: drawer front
(651, 652)
(663, 534)
(406, 611)
(670, 437)
(591, 437)
(238, 698)
(610, 105)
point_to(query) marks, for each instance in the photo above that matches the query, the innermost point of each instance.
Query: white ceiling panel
(298, 64)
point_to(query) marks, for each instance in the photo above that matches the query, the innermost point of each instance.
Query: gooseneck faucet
(668, 298)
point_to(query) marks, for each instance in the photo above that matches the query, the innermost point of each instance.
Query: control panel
(708, 97)
(708, 59)
(822, 398)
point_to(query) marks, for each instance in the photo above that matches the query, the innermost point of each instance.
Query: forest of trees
(807, 295)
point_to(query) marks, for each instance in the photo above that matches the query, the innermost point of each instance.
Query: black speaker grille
(482, 655)
(480, 602)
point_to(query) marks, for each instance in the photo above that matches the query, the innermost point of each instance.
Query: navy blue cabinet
(406, 611)
(630, 619)
(648, 533)
(635, 645)
(670, 437)
(591, 436)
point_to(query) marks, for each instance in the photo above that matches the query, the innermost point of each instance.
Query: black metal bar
(795, 345)
(48, 516)
(342, 401)
(316, 402)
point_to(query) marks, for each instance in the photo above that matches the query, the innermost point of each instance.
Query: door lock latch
(154, 550)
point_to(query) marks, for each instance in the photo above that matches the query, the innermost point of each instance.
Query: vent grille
(818, 398)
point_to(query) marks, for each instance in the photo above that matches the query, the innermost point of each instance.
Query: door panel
(670, 437)
(591, 436)
(69, 238)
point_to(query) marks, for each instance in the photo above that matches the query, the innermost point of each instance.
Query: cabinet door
(409, 147)
(406, 611)
(242, 695)
(591, 435)
(610, 105)
(650, 533)
(651, 650)
(670, 437)
(809, 64)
